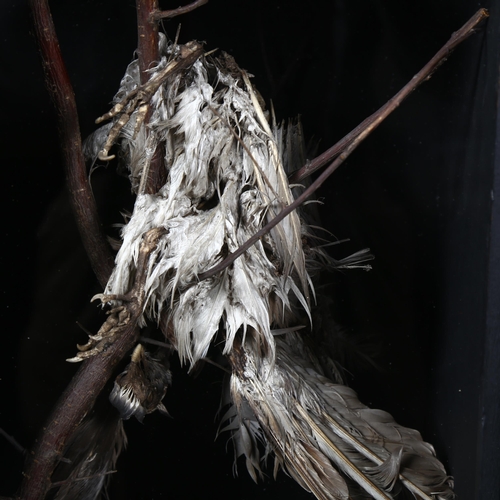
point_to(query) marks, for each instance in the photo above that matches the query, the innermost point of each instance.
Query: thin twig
(440, 57)
(352, 140)
(12, 440)
(169, 14)
(82, 200)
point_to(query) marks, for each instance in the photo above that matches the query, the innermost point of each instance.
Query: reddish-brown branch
(61, 91)
(147, 37)
(424, 74)
(148, 15)
(148, 55)
(80, 395)
(168, 14)
(78, 398)
(352, 140)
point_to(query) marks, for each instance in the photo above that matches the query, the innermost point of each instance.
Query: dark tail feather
(90, 457)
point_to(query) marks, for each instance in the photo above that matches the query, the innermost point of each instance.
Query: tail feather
(325, 437)
(90, 457)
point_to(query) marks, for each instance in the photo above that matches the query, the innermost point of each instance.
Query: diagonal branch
(349, 143)
(425, 73)
(82, 200)
(75, 402)
(80, 395)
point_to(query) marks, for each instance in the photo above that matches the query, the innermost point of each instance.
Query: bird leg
(139, 98)
(131, 304)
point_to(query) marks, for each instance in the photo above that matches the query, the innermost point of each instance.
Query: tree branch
(148, 15)
(79, 397)
(76, 401)
(351, 141)
(148, 55)
(82, 200)
(169, 14)
(424, 74)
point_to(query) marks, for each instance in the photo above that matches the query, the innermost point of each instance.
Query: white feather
(224, 182)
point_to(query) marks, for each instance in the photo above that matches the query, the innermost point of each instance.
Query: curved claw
(97, 296)
(104, 298)
(76, 359)
(84, 347)
(104, 156)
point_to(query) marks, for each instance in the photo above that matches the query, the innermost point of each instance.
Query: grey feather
(225, 170)
(305, 416)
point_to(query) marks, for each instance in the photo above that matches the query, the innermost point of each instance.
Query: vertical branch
(148, 55)
(147, 36)
(82, 200)
(148, 17)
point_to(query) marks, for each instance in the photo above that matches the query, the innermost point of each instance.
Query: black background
(420, 193)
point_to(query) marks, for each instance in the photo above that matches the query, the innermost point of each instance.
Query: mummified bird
(225, 164)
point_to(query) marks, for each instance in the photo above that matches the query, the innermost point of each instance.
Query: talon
(104, 298)
(76, 359)
(80, 356)
(103, 156)
(97, 296)
(84, 347)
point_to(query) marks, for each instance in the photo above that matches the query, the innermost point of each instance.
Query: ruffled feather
(224, 182)
(225, 179)
(324, 437)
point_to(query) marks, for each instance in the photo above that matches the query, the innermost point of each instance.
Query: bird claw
(104, 156)
(117, 318)
(105, 298)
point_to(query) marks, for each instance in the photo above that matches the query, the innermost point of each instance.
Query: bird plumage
(224, 182)
(322, 434)
(225, 175)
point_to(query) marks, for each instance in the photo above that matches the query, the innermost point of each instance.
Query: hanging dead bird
(224, 163)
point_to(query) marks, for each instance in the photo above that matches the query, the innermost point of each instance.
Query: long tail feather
(307, 419)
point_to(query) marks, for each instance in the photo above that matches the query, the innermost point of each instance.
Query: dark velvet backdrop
(420, 193)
